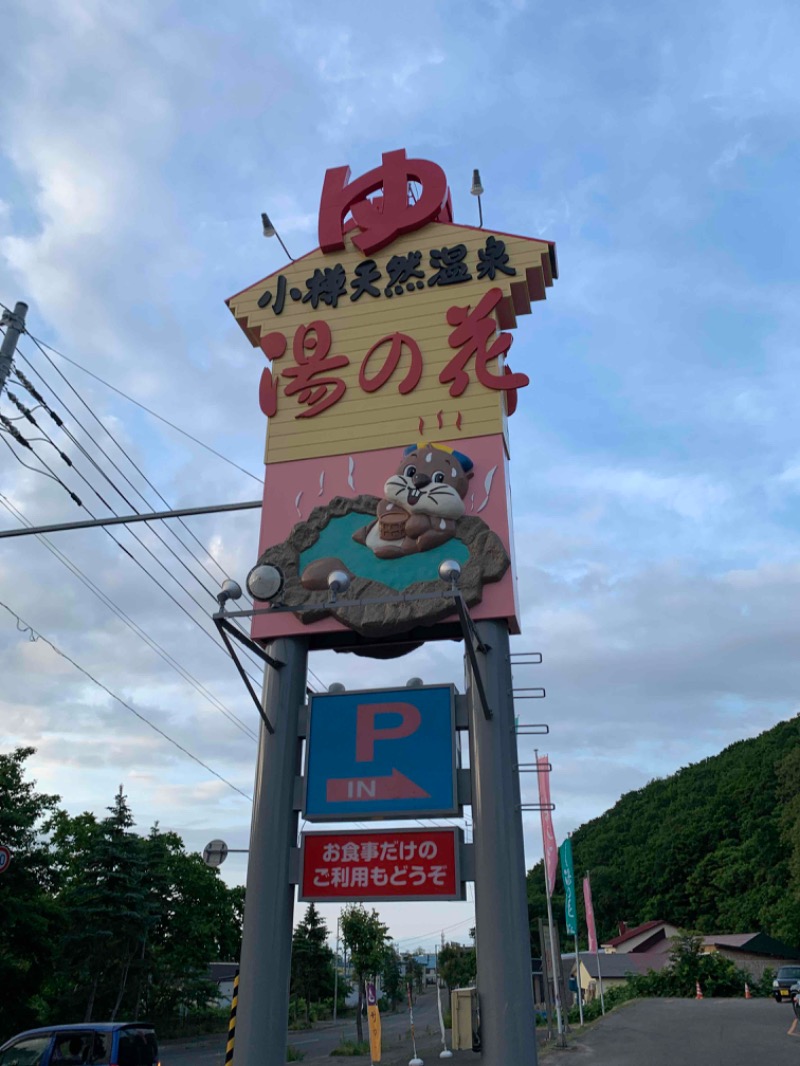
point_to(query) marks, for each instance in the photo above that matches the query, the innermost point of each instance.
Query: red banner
(383, 865)
(548, 836)
(587, 899)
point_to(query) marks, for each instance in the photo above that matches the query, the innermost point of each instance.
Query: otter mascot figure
(422, 501)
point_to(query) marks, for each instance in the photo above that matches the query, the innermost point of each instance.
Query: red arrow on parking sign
(5, 858)
(353, 789)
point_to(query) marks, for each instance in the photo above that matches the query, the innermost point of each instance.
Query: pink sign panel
(305, 484)
(388, 864)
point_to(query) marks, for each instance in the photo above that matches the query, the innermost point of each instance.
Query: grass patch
(352, 1047)
(293, 1055)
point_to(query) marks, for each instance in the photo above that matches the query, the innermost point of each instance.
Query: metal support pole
(554, 966)
(508, 1026)
(600, 983)
(336, 971)
(14, 321)
(129, 519)
(265, 968)
(578, 977)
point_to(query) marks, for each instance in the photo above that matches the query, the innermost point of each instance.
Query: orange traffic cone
(747, 994)
(698, 991)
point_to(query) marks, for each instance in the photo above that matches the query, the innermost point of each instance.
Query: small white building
(222, 975)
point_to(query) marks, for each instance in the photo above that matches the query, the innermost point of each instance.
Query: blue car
(86, 1044)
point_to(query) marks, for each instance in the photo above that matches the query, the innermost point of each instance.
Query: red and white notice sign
(385, 864)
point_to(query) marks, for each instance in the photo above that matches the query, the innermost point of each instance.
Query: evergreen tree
(392, 976)
(109, 911)
(29, 915)
(312, 960)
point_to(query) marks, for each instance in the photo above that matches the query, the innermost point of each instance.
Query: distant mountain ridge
(714, 848)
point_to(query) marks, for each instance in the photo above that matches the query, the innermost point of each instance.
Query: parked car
(86, 1044)
(784, 979)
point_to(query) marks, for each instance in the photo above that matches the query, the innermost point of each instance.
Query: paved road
(709, 1032)
(316, 1043)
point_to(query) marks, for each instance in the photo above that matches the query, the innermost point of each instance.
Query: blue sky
(656, 464)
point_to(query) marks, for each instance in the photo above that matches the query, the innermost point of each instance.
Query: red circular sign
(5, 858)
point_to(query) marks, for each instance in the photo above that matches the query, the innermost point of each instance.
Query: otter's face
(429, 481)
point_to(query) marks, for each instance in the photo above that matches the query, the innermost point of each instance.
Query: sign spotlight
(338, 581)
(265, 582)
(477, 190)
(230, 590)
(450, 571)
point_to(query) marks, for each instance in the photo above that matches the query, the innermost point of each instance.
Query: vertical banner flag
(374, 1022)
(568, 877)
(587, 899)
(548, 836)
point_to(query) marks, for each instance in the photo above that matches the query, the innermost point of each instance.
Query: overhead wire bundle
(178, 547)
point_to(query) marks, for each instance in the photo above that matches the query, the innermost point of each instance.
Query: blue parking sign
(381, 753)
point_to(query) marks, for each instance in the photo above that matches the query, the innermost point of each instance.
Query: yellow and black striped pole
(232, 1022)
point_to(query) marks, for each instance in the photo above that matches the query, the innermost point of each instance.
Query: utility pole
(265, 967)
(14, 321)
(505, 1001)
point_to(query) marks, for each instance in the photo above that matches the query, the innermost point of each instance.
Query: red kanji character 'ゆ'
(313, 383)
(471, 336)
(383, 218)
(398, 343)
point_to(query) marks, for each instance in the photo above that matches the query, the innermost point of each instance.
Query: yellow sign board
(367, 354)
(374, 1023)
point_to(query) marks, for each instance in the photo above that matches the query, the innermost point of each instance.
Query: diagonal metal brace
(226, 631)
(472, 644)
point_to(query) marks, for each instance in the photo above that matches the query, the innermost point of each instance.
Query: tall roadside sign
(388, 379)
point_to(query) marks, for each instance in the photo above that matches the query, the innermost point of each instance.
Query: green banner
(568, 877)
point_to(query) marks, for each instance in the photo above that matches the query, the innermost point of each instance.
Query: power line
(143, 568)
(41, 346)
(83, 450)
(27, 465)
(39, 636)
(100, 448)
(37, 396)
(434, 932)
(317, 679)
(28, 414)
(151, 642)
(144, 407)
(123, 450)
(17, 436)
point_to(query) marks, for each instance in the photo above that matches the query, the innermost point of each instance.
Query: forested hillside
(714, 848)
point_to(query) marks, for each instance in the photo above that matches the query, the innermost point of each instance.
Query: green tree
(30, 918)
(414, 970)
(366, 939)
(196, 919)
(788, 776)
(109, 910)
(457, 965)
(690, 965)
(392, 976)
(312, 960)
